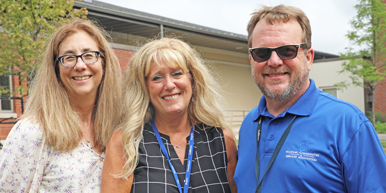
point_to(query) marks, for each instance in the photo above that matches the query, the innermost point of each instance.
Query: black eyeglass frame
(297, 46)
(81, 57)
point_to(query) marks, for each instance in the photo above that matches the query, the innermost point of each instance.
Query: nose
(80, 65)
(275, 61)
(169, 83)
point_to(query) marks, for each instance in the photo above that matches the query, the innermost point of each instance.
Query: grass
(384, 145)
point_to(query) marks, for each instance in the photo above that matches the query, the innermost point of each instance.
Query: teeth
(274, 75)
(171, 97)
(82, 78)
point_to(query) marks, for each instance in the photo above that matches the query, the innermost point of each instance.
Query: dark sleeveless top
(209, 167)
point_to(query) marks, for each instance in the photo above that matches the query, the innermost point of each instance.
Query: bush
(379, 117)
(380, 127)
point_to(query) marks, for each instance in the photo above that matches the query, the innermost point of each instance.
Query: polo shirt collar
(302, 107)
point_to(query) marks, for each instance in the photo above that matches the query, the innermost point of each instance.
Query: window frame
(330, 87)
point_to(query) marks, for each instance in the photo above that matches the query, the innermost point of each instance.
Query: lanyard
(190, 157)
(274, 155)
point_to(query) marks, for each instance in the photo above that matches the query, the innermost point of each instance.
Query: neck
(84, 107)
(276, 107)
(172, 125)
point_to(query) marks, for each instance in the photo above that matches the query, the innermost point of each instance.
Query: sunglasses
(286, 52)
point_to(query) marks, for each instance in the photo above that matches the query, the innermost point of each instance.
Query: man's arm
(364, 162)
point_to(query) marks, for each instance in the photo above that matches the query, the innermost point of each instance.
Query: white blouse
(28, 164)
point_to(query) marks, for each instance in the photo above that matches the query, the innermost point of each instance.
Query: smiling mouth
(171, 97)
(275, 75)
(81, 77)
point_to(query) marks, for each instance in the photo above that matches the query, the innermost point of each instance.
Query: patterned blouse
(28, 164)
(209, 167)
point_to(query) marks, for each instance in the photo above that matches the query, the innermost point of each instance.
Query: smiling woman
(59, 143)
(173, 137)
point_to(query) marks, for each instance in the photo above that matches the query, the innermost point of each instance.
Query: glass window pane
(4, 81)
(6, 105)
(331, 91)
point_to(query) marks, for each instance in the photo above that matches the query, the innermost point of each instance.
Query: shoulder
(248, 124)
(26, 129)
(332, 106)
(115, 142)
(252, 114)
(230, 143)
(228, 136)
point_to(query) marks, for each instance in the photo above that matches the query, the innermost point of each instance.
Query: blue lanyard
(190, 157)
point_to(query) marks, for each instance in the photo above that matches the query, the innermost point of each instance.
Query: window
(332, 91)
(6, 103)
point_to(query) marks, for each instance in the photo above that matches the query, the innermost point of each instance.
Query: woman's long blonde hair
(49, 103)
(204, 107)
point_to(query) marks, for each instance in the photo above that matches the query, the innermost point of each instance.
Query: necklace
(177, 147)
(89, 144)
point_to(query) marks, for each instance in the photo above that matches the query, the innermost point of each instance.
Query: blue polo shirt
(332, 147)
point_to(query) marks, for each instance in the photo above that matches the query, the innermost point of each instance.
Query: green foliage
(384, 145)
(365, 56)
(380, 127)
(380, 122)
(379, 117)
(26, 26)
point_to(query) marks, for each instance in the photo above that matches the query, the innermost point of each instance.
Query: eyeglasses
(71, 60)
(286, 52)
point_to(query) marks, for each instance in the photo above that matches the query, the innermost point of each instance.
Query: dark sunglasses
(286, 52)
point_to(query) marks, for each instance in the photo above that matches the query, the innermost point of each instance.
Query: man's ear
(310, 58)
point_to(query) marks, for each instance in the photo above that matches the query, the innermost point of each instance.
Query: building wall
(325, 75)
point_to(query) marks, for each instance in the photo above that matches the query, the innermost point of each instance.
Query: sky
(329, 18)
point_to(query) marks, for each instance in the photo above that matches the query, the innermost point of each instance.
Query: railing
(235, 118)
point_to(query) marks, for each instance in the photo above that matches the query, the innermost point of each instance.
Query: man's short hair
(280, 13)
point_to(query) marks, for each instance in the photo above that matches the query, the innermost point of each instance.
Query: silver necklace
(89, 144)
(177, 147)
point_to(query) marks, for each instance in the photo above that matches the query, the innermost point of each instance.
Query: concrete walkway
(382, 137)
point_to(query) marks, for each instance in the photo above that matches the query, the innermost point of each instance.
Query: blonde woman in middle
(173, 118)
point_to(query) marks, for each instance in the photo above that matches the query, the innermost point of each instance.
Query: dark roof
(143, 24)
(323, 56)
(130, 21)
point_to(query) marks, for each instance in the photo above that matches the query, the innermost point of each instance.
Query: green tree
(367, 50)
(25, 28)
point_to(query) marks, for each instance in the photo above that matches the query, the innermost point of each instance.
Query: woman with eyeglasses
(59, 143)
(174, 137)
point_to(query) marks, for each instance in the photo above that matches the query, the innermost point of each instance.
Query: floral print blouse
(28, 164)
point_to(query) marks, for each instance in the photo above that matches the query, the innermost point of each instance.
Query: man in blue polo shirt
(300, 139)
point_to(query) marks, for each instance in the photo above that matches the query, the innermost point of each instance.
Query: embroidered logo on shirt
(302, 153)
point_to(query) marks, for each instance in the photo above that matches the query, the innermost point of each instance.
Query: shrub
(379, 117)
(380, 127)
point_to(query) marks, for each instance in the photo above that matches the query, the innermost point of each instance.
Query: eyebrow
(71, 51)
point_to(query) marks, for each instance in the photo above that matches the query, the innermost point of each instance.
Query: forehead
(276, 34)
(167, 60)
(159, 67)
(78, 41)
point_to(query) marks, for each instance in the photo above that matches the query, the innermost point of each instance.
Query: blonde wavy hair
(204, 107)
(48, 101)
(280, 13)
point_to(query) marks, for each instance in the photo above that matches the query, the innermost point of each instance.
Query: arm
(364, 162)
(113, 164)
(231, 157)
(23, 158)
